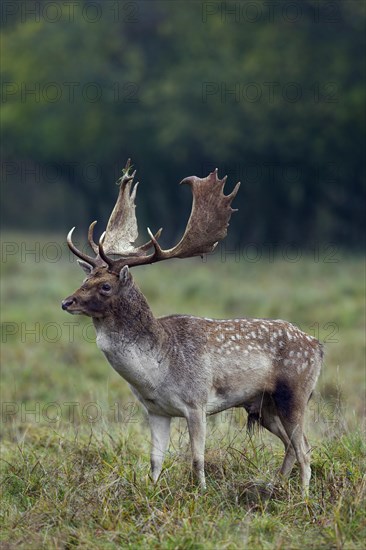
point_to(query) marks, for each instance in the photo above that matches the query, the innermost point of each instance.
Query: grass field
(75, 446)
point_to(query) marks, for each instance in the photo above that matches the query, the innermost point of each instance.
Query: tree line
(272, 96)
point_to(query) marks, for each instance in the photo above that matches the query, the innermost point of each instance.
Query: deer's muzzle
(65, 304)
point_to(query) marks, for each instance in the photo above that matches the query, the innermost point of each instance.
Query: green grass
(75, 446)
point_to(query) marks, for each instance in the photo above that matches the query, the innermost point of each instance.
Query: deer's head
(102, 293)
(108, 280)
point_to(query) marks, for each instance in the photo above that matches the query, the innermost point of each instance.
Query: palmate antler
(121, 230)
(207, 224)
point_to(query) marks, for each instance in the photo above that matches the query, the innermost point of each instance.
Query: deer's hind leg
(291, 410)
(264, 412)
(273, 424)
(269, 419)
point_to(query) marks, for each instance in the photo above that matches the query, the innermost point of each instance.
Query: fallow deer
(185, 366)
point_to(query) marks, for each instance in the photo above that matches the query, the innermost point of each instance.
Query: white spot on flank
(291, 353)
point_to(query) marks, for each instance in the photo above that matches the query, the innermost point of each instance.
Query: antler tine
(126, 176)
(77, 252)
(158, 254)
(102, 254)
(91, 241)
(151, 242)
(127, 166)
(233, 194)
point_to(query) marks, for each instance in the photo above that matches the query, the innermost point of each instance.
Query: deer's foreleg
(160, 432)
(196, 420)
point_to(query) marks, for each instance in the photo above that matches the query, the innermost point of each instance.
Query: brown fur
(188, 366)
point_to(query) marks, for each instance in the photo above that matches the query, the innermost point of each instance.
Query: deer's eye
(106, 287)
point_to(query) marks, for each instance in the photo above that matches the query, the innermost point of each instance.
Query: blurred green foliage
(272, 95)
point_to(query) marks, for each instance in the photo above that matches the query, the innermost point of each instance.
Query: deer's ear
(85, 267)
(125, 275)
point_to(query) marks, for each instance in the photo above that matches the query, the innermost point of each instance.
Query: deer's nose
(67, 302)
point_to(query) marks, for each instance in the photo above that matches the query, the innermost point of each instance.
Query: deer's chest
(148, 379)
(131, 362)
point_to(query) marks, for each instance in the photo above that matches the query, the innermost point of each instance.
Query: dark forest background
(272, 93)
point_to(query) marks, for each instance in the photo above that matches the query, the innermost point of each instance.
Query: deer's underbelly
(161, 404)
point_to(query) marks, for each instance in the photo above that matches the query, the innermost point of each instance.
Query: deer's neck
(133, 340)
(131, 323)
